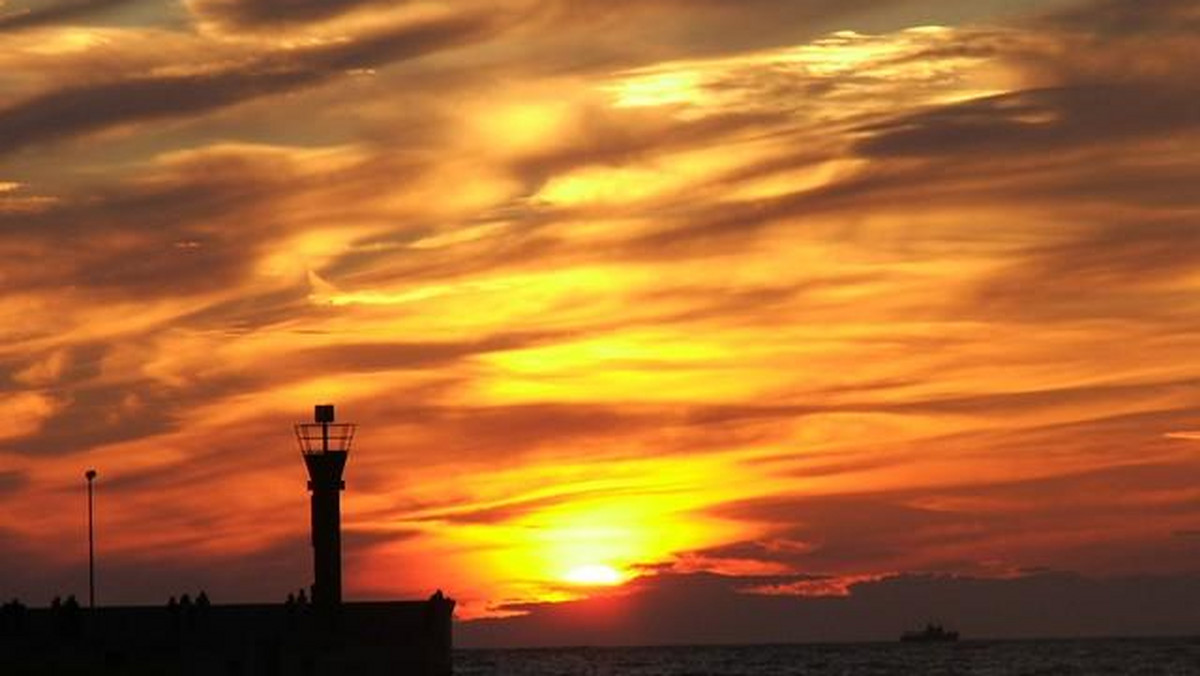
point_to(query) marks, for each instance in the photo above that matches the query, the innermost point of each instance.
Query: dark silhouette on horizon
(932, 633)
(189, 635)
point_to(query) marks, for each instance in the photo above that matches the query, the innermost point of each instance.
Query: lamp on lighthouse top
(323, 435)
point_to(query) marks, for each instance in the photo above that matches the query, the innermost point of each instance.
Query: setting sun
(594, 575)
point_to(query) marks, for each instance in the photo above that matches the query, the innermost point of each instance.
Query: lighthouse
(325, 445)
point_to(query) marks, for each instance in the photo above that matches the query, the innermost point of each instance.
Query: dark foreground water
(1126, 657)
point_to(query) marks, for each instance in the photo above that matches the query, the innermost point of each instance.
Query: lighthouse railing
(316, 438)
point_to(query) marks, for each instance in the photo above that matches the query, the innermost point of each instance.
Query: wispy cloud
(78, 109)
(54, 12)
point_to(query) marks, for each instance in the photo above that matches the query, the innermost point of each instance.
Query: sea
(1089, 657)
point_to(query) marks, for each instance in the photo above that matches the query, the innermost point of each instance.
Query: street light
(90, 475)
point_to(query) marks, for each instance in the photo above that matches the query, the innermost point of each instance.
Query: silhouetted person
(185, 601)
(202, 600)
(67, 618)
(175, 613)
(291, 600)
(302, 599)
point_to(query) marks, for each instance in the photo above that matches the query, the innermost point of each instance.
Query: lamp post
(90, 475)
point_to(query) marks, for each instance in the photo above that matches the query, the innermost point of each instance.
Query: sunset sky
(793, 299)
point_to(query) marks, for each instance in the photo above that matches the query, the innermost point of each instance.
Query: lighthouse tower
(324, 445)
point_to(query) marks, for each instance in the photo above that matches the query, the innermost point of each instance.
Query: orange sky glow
(834, 291)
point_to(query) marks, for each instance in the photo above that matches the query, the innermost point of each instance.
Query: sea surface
(1092, 657)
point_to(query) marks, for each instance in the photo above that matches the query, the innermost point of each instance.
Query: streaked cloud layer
(798, 295)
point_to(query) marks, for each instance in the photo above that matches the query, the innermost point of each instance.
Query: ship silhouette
(932, 633)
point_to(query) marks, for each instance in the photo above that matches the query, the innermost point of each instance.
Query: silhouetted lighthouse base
(387, 637)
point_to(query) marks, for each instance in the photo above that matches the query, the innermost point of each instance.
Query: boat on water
(932, 633)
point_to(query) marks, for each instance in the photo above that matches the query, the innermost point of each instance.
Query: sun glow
(594, 575)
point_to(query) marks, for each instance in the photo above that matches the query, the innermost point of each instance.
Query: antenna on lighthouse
(324, 445)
